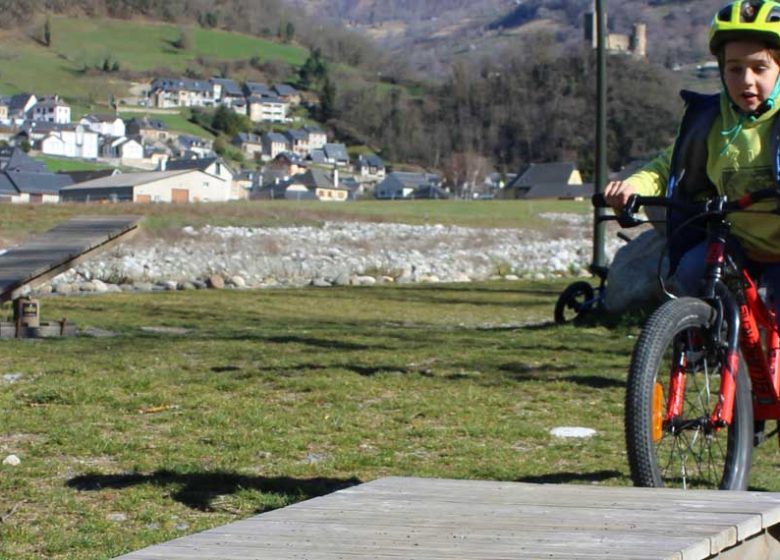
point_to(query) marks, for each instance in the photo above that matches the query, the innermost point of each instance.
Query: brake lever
(627, 217)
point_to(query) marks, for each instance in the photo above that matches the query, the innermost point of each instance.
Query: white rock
(572, 432)
(12, 460)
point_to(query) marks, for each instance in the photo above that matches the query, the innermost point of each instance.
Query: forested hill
(676, 28)
(512, 81)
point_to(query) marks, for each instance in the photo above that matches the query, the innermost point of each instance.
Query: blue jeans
(690, 272)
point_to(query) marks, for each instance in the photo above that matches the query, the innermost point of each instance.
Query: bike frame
(751, 328)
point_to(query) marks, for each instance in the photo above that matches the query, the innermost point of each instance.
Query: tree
(228, 121)
(289, 32)
(184, 42)
(313, 72)
(47, 32)
(328, 100)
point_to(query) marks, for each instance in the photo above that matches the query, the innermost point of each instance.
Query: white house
(124, 149)
(106, 125)
(317, 137)
(274, 143)
(181, 92)
(50, 109)
(70, 141)
(267, 109)
(188, 185)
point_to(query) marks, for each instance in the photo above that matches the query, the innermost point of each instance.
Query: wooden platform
(59, 249)
(426, 519)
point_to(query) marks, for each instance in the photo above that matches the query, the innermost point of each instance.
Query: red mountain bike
(693, 413)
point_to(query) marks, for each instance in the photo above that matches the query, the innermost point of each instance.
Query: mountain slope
(434, 33)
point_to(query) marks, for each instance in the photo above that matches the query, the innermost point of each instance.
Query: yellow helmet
(758, 20)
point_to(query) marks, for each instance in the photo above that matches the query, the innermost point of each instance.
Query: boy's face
(749, 72)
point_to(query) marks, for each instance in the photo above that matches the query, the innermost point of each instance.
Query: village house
(333, 154)
(297, 141)
(228, 93)
(24, 180)
(404, 185)
(181, 92)
(289, 163)
(5, 103)
(548, 180)
(274, 143)
(244, 183)
(267, 109)
(287, 93)
(257, 89)
(150, 130)
(66, 140)
(317, 137)
(177, 186)
(314, 184)
(370, 167)
(7, 133)
(213, 166)
(193, 147)
(251, 145)
(19, 105)
(126, 150)
(50, 109)
(104, 124)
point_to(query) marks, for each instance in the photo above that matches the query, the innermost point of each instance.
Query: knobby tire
(693, 457)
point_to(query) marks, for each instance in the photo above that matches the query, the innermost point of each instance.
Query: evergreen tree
(47, 32)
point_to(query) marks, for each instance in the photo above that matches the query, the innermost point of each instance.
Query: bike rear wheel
(685, 452)
(573, 302)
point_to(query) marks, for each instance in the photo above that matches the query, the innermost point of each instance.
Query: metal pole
(599, 228)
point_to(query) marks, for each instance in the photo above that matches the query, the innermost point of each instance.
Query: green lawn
(55, 164)
(79, 43)
(178, 122)
(205, 407)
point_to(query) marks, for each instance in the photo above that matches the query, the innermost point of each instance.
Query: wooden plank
(429, 519)
(63, 247)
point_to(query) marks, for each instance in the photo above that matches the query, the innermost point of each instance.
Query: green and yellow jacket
(703, 161)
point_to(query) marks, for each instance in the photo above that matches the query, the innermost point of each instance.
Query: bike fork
(724, 410)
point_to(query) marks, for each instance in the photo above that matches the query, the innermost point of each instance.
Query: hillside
(432, 34)
(73, 65)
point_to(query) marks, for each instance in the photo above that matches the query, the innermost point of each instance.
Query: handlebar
(719, 205)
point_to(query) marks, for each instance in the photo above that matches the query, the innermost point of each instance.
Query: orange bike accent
(658, 412)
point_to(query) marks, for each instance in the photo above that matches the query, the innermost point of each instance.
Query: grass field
(179, 411)
(78, 43)
(201, 408)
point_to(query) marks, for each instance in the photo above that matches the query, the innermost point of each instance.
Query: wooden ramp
(59, 249)
(426, 519)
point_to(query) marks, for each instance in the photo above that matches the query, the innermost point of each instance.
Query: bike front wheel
(678, 346)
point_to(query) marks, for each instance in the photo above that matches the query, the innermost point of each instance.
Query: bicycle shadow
(198, 490)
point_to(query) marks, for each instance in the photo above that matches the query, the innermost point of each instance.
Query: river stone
(633, 275)
(216, 281)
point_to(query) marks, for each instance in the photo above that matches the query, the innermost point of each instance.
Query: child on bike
(728, 143)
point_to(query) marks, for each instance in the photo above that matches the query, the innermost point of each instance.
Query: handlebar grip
(598, 201)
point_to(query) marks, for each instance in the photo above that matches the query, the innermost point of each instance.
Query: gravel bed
(337, 253)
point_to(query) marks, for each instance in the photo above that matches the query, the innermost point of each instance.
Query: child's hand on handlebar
(617, 193)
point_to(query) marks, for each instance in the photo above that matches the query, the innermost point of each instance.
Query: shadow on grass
(524, 372)
(330, 344)
(569, 477)
(197, 490)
